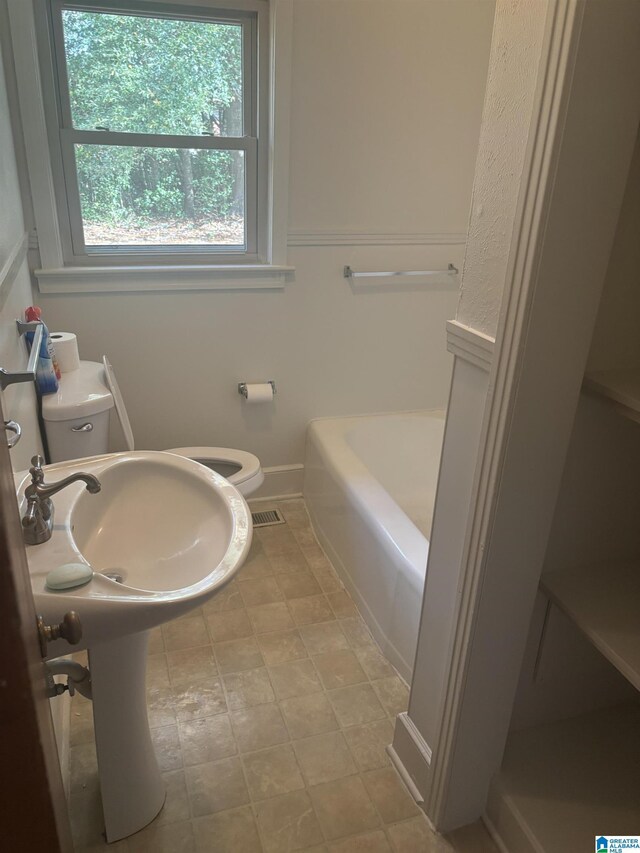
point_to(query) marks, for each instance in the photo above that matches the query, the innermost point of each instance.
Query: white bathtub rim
(339, 419)
(398, 534)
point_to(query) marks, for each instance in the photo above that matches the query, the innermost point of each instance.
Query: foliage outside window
(157, 112)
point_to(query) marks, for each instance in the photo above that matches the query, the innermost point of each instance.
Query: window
(157, 127)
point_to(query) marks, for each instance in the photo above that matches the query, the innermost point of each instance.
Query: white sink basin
(173, 530)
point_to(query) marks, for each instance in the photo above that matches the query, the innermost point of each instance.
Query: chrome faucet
(37, 522)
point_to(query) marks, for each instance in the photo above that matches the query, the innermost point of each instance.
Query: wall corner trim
(470, 344)
(410, 754)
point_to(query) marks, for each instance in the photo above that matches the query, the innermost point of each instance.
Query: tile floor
(270, 708)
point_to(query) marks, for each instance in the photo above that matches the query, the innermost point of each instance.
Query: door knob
(70, 629)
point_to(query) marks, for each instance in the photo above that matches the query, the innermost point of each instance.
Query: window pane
(136, 74)
(161, 196)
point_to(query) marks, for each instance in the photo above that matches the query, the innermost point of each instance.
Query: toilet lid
(123, 417)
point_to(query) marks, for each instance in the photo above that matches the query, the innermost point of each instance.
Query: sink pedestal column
(132, 788)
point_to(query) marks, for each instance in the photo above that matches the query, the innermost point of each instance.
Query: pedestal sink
(162, 536)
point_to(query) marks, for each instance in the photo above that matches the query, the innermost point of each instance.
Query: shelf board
(604, 602)
(619, 387)
(564, 783)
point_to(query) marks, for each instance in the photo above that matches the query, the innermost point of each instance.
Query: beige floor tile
(324, 637)
(238, 655)
(282, 646)
(288, 823)
(414, 836)
(232, 831)
(206, 740)
(256, 567)
(308, 715)
(272, 772)
(278, 542)
(270, 617)
(299, 585)
(314, 555)
(200, 701)
(344, 808)
(228, 598)
(256, 546)
(168, 838)
(185, 634)
(83, 768)
(371, 842)
(324, 757)
(338, 669)
(289, 564)
(357, 633)
(473, 838)
(176, 804)
(160, 707)
(248, 688)
(157, 671)
(313, 608)
(156, 641)
(229, 625)
(260, 591)
(356, 705)
(190, 667)
(391, 798)
(368, 744)
(374, 663)
(167, 747)
(295, 514)
(259, 727)
(193, 611)
(295, 678)
(342, 604)
(327, 578)
(393, 693)
(304, 536)
(216, 786)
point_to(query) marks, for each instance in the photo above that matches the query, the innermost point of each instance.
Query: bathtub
(369, 486)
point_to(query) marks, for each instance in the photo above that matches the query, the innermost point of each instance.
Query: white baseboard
(280, 481)
(411, 756)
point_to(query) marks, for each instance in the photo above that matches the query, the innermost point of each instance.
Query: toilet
(76, 421)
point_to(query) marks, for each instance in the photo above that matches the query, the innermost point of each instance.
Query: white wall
(18, 401)
(511, 89)
(385, 115)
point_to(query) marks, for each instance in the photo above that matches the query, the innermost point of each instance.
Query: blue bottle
(46, 378)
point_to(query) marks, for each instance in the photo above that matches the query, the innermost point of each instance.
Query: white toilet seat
(246, 480)
(248, 476)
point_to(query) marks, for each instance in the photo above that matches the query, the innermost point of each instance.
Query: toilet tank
(76, 418)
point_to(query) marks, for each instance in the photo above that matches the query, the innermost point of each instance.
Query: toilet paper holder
(242, 387)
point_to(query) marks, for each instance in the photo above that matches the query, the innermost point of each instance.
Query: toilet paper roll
(259, 392)
(66, 347)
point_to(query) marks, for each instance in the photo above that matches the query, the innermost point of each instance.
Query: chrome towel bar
(6, 377)
(349, 273)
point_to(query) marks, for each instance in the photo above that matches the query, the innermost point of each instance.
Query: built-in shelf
(604, 602)
(620, 387)
(564, 783)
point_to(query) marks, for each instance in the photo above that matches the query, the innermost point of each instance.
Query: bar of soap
(69, 576)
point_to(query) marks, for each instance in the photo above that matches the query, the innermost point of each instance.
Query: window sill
(165, 277)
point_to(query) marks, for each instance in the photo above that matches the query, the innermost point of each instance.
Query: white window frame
(62, 269)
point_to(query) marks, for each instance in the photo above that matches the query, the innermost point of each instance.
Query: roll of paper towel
(259, 392)
(66, 347)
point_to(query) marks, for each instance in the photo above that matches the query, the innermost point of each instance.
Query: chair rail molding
(470, 344)
(363, 238)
